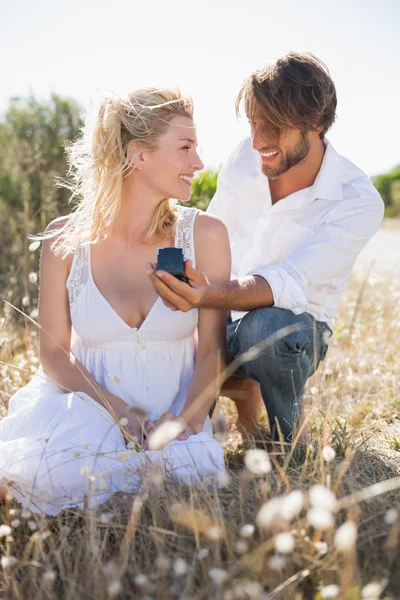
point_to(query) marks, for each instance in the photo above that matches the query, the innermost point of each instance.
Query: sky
(82, 48)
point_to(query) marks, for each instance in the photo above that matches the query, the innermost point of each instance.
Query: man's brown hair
(294, 92)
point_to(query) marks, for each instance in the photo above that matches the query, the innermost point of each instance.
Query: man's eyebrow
(187, 140)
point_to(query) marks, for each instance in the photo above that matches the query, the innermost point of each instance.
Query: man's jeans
(294, 345)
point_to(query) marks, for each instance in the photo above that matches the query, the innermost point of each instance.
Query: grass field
(340, 540)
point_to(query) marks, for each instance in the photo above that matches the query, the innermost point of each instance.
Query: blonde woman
(111, 351)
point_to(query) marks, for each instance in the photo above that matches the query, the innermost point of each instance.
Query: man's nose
(258, 142)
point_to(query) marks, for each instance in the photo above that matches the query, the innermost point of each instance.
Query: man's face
(277, 157)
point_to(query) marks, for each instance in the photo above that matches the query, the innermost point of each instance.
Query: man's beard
(292, 158)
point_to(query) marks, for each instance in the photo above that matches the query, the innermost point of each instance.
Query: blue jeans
(296, 344)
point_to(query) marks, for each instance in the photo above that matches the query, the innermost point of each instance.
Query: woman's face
(170, 167)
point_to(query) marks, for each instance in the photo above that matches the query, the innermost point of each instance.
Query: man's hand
(176, 294)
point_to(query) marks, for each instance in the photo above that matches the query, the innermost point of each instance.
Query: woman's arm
(213, 258)
(55, 334)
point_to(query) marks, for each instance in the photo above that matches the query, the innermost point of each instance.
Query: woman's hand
(180, 430)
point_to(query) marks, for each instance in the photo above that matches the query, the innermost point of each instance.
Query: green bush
(388, 185)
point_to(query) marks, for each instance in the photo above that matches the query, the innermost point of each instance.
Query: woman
(110, 350)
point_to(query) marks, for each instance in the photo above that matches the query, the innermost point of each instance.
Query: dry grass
(174, 542)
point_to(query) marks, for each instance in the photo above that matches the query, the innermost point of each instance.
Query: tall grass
(232, 539)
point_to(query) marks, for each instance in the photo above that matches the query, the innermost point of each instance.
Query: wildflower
(123, 422)
(322, 497)
(269, 512)
(5, 530)
(180, 567)
(218, 576)
(32, 525)
(49, 577)
(284, 543)
(391, 516)
(141, 580)
(328, 454)
(314, 390)
(330, 592)
(247, 530)
(203, 553)
(322, 547)
(164, 434)
(292, 505)
(241, 546)
(105, 517)
(346, 537)
(25, 301)
(214, 533)
(13, 512)
(15, 523)
(26, 514)
(223, 478)
(372, 591)
(257, 461)
(320, 518)
(276, 562)
(34, 246)
(33, 277)
(114, 588)
(34, 314)
(8, 561)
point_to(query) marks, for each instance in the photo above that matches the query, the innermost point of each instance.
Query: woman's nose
(198, 164)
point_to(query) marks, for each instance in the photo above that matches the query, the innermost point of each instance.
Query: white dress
(61, 449)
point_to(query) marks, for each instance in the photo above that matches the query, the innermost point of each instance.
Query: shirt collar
(328, 184)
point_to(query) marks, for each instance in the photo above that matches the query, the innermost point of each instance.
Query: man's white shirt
(306, 244)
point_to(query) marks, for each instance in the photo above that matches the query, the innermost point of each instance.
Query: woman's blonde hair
(98, 161)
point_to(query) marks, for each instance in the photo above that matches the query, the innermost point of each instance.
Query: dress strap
(79, 273)
(184, 231)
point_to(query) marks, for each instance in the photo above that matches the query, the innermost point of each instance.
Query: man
(298, 214)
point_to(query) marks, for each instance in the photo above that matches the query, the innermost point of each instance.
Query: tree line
(33, 135)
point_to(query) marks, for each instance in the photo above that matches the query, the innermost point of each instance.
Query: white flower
(49, 576)
(26, 514)
(247, 530)
(277, 562)
(346, 537)
(284, 543)
(269, 512)
(164, 434)
(5, 530)
(203, 553)
(8, 561)
(123, 422)
(114, 588)
(322, 497)
(162, 563)
(180, 567)
(32, 525)
(214, 533)
(328, 454)
(292, 505)
(372, 591)
(141, 580)
(241, 546)
(391, 516)
(34, 314)
(223, 478)
(34, 246)
(314, 390)
(106, 517)
(33, 277)
(15, 523)
(218, 576)
(320, 518)
(25, 301)
(257, 461)
(330, 592)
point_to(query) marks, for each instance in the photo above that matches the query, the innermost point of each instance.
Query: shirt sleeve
(224, 199)
(325, 260)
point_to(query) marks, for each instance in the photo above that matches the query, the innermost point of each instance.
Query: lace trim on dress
(79, 274)
(184, 238)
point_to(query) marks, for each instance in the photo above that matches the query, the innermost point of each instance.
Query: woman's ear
(136, 154)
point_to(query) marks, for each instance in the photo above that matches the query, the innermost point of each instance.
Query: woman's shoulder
(208, 226)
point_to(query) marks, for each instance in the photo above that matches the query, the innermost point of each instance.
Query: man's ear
(136, 154)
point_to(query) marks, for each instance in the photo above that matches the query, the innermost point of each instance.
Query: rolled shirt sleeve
(324, 262)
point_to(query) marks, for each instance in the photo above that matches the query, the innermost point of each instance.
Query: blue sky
(207, 48)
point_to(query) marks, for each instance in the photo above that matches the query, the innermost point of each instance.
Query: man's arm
(326, 256)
